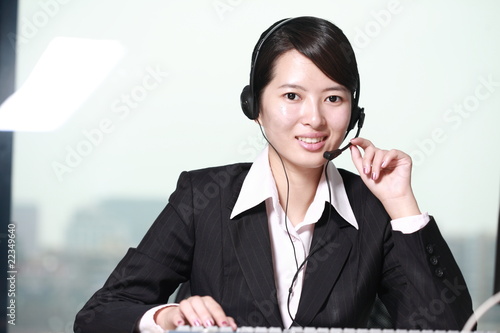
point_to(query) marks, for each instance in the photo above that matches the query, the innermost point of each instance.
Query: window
(168, 100)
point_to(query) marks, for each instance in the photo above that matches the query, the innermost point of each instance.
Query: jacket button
(434, 260)
(439, 272)
(429, 248)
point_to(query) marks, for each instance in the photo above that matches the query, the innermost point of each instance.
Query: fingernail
(225, 323)
(384, 164)
(365, 170)
(209, 323)
(374, 176)
(197, 323)
(180, 323)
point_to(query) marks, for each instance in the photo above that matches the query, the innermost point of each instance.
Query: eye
(292, 96)
(333, 99)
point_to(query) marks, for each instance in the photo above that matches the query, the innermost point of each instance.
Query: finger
(368, 156)
(178, 319)
(357, 159)
(362, 142)
(232, 323)
(391, 155)
(217, 314)
(169, 317)
(377, 162)
(369, 151)
(189, 309)
(205, 307)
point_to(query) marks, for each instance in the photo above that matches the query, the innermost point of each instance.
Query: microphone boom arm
(330, 155)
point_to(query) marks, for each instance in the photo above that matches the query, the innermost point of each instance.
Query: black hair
(319, 40)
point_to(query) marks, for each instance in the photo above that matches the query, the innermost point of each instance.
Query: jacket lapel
(330, 249)
(250, 237)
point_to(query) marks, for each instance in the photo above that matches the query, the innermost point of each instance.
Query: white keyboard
(247, 329)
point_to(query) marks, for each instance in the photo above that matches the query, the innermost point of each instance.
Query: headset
(250, 106)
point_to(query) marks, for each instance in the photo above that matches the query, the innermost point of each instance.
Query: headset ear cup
(354, 117)
(247, 103)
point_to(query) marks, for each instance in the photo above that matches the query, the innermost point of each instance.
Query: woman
(290, 239)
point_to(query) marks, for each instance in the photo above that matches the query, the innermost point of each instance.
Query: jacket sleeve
(148, 274)
(422, 286)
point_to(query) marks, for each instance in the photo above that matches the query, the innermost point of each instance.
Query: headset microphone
(330, 155)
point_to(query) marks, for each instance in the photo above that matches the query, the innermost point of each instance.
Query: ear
(257, 121)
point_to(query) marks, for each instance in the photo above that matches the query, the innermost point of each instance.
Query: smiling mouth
(311, 140)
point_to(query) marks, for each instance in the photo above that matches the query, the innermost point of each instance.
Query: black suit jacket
(194, 240)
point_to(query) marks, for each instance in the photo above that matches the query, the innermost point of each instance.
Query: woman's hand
(387, 173)
(194, 311)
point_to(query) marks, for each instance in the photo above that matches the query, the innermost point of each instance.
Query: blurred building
(111, 227)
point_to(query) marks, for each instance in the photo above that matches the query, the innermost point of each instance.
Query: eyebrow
(297, 86)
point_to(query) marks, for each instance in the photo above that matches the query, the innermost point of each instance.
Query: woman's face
(303, 112)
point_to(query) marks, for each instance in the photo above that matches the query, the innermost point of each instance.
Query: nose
(312, 113)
